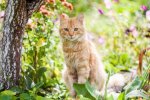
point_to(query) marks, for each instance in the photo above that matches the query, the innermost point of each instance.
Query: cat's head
(72, 29)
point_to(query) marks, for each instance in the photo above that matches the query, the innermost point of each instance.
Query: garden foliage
(120, 30)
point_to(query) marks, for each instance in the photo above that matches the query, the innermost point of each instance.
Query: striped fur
(81, 57)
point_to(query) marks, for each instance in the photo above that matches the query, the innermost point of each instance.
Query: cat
(81, 58)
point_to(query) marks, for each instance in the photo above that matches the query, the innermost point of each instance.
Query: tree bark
(16, 16)
(0, 53)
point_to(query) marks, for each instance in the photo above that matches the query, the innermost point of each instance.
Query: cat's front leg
(72, 76)
(83, 72)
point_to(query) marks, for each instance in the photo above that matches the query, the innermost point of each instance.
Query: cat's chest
(75, 53)
(72, 59)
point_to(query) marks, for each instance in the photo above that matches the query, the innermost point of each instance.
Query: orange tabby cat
(81, 57)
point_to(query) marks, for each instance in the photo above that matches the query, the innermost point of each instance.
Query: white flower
(108, 4)
(29, 21)
(148, 15)
(2, 14)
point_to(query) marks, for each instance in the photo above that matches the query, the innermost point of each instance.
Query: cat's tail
(117, 81)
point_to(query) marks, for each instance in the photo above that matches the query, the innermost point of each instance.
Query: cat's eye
(75, 29)
(66, 29)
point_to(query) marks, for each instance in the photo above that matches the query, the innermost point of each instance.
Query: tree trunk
(16, 16)
(0, 53)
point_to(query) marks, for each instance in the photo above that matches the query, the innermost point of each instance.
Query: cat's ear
(63, 17)
(80, 18)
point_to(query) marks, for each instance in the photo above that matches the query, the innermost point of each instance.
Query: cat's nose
(71, 35)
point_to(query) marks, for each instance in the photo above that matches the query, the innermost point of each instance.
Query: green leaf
(25, 96)
(17, 90)
(110, 97)
(90, 89)
(38, 85)
(41, 98)
(83, 98)
(7, 97)
(134, 85)
(105, 93)
(137, 93)
(28, 82)
(80, 89)
(83, 89)
(41, 71)
(100, 98)
(8, 92)
(121, 96)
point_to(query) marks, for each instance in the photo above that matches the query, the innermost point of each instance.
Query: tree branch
(142, 53)
(33, 5)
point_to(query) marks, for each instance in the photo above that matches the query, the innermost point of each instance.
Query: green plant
(119, 32)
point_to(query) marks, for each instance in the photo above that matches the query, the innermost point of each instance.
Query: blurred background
(120, 29)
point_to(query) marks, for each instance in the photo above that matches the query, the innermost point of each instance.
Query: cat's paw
(81, 80)
(73, 93)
